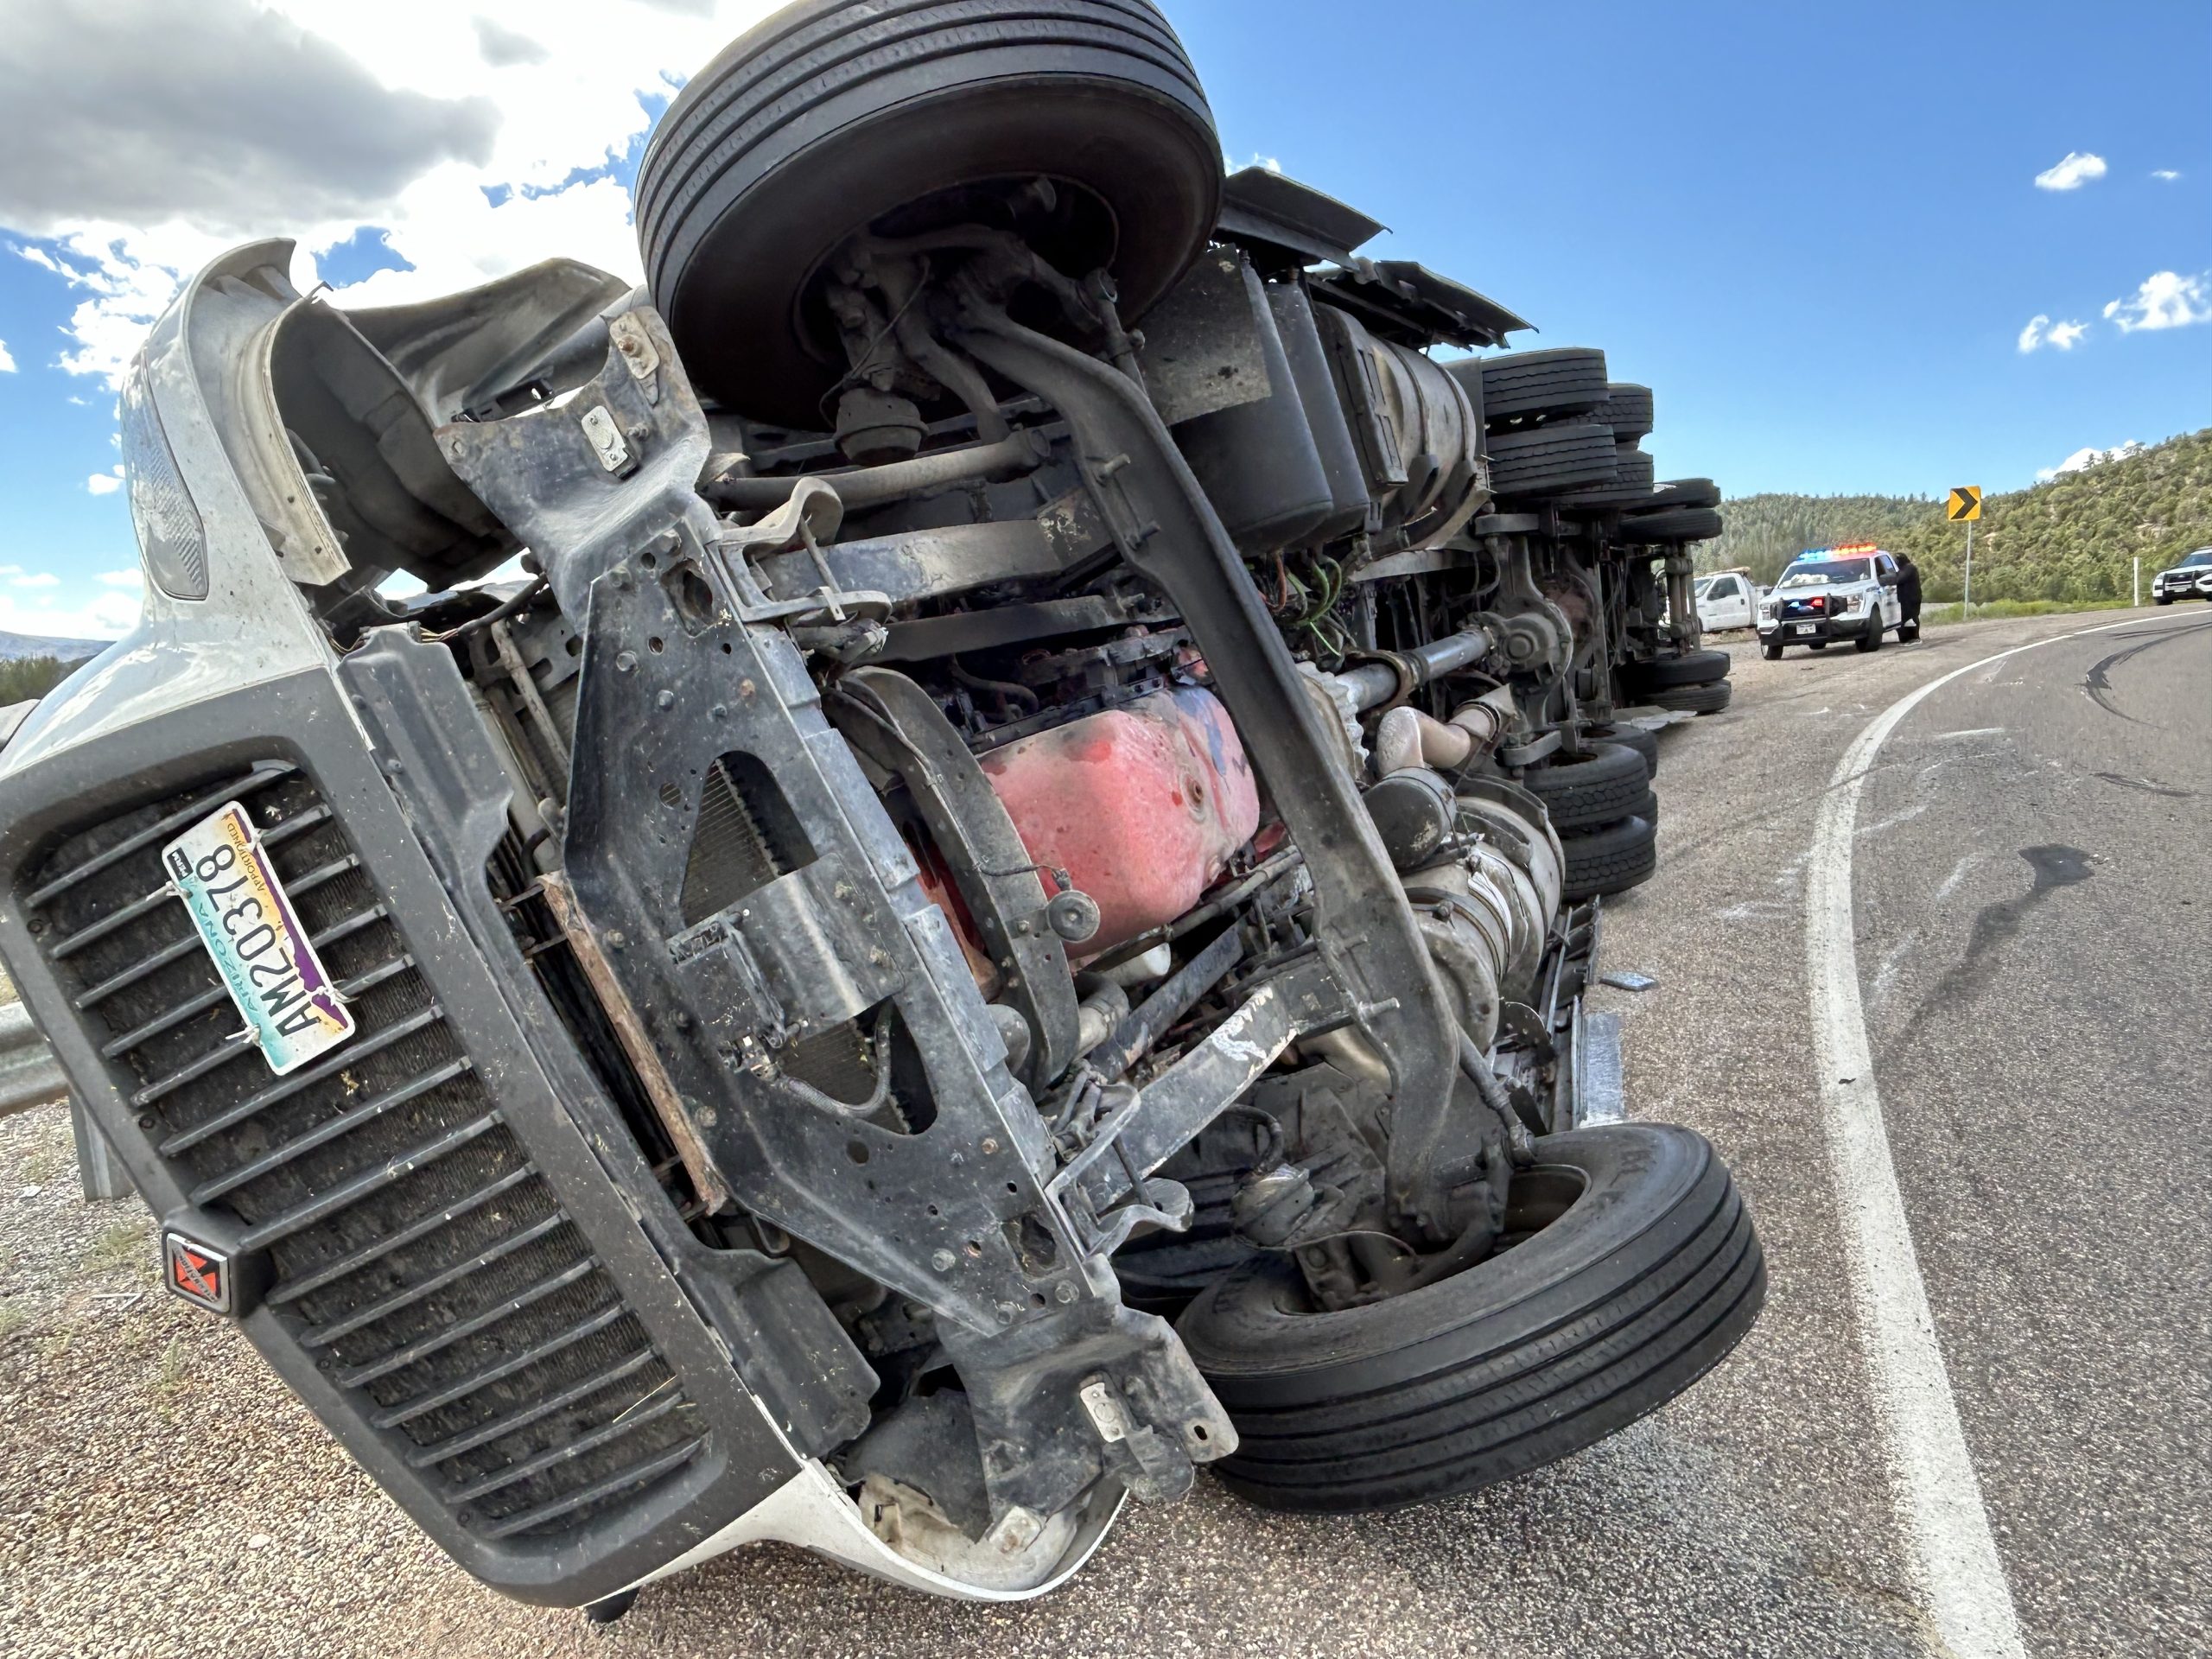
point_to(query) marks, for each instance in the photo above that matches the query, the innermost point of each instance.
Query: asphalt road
(2033, 941)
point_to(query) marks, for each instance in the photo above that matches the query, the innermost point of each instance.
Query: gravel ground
(161, 1494)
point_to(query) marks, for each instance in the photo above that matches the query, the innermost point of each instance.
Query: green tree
(28, 678)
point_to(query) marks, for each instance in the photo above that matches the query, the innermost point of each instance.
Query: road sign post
(1964, 507)
(2137, 602)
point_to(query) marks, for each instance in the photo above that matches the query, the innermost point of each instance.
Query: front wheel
(1871, 638)
(831, 119)
(1771, 649)
(2163, 598)
(1627, 1269)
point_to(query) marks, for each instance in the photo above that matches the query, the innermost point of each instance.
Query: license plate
(267, 961)
(1800, 627)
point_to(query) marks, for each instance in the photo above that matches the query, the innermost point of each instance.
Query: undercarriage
(971, 887)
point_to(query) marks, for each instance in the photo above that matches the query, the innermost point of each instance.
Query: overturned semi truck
(997, 913)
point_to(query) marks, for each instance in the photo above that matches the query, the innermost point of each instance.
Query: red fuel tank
(1142, 806)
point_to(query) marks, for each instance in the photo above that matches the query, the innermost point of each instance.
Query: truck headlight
(172, 540)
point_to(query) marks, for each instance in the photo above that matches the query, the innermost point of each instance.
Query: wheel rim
(1536, 1199)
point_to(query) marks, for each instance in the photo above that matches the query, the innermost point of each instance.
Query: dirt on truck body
(998, 914)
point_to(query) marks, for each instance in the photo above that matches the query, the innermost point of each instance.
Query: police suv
(1829, 593)
(2191, 579)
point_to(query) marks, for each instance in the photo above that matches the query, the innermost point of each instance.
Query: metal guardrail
(29, 1075)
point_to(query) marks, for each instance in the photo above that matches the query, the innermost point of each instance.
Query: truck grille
(415, 1254)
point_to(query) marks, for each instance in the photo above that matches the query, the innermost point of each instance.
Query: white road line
(1932, 1479)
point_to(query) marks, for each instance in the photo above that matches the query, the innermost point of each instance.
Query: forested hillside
(32, 678)
(2073, 538)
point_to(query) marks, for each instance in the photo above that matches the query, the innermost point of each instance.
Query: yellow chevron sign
(1966, 503)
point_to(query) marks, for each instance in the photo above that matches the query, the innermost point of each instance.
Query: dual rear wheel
(1606, 814)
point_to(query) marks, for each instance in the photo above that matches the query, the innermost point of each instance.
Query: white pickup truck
(1726, 598)
(1829, 593)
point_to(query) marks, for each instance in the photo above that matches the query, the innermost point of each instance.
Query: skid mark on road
(1994, 925)
(2098, 682)
(1950, 883)
(2147, 786)
(1937, 1493)
(1788, 879)
(1886, 976)
(1923, 796)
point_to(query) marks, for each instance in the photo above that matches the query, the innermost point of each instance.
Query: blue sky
(1816, 232)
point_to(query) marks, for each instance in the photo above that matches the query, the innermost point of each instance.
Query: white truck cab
(1828, 593)
(1726, 598)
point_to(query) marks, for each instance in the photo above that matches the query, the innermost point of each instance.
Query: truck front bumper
(1806, 629)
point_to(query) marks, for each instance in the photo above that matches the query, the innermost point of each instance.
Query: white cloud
(133, 580)
(2164, 300)
(407, 150)
(2074, 170)
(107, 617)
(7, 363)
(503, 48)
(2081, 459)
(105, 483)
(36, 579)
(2165, 175)
(2041, 331)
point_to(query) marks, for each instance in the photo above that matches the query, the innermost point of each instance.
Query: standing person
(1908, 596)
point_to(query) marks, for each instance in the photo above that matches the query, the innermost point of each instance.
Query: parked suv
(2191, 579)
(1831, 593)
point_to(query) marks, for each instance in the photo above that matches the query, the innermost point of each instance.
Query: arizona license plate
(267, 961)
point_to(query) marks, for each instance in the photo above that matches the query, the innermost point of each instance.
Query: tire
(2163, 598)
(1709, 699)
(1632, 466)
(831, 115)
(1816, 645)
(1870, 638)
(1552, 458)
(1609, 498)
(1672, 525)
(1608, 860)
(1689, 492)
(1642, 1284)
(1771, 649)
(1627, 409)
(1633, 737)
(1603, 789)
(1523, 386)
(1691, 668)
